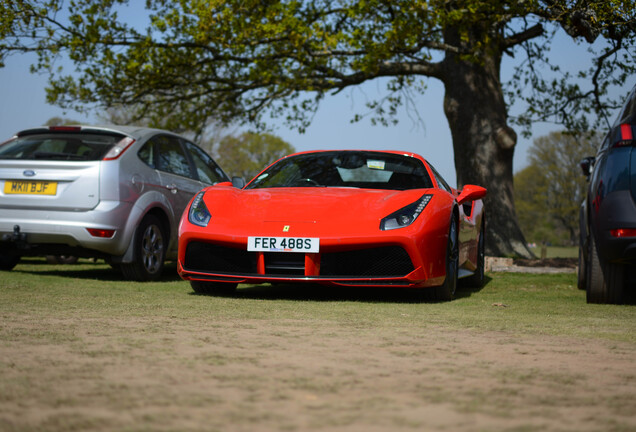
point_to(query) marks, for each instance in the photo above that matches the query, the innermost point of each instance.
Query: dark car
(607, 251)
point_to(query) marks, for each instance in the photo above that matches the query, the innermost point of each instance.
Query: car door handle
(172, 188)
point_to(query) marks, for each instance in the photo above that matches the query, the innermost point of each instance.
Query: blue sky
(24, 105)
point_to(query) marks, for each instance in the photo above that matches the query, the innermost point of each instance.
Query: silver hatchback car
(113, 192)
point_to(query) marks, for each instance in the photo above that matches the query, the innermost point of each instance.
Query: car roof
(393, 152)
(136, 132)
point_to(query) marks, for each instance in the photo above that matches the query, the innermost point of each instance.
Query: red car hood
(306, 211)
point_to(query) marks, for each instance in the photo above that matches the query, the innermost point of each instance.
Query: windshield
(369, 170)
(59, 146)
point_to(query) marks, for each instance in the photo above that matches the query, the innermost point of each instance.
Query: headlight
(406, 215)
(198, 213)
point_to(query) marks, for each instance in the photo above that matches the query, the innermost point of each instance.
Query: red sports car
(348, 218)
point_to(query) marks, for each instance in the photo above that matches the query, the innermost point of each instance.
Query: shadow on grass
(465, 291)
(313, 292)
(87, 270)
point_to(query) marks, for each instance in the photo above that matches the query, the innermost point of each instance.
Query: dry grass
(82, 350)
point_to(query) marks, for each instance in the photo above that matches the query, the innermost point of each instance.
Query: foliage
(247, 154)
(61, 121)
(238, 59)
(549, 191)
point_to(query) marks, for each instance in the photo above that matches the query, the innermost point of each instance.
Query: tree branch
(518, 38)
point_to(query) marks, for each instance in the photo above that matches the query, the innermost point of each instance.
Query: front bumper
(363, 264)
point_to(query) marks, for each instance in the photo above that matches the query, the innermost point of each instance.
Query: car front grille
(387, 261)
(211, 258)
(285, 263)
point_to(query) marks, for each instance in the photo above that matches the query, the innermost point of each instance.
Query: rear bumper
(50, 232)
(618, 250)
(617, 210)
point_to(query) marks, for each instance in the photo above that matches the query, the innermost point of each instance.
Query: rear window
(59, 146)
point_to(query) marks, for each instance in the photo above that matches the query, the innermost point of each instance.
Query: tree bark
(484, 144)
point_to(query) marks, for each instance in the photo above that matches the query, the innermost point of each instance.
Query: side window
(146, 154)
(170, 157)
(207, 170)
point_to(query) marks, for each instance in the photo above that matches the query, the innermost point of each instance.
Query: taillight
(119, 148)
(103, 233)
(626, 136)
(623, 232)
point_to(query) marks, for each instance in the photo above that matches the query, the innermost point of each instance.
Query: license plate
(24, 187)
(283, 244)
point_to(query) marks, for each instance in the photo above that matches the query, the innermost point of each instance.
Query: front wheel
(213, 288)
(446, 291)
(150, 244)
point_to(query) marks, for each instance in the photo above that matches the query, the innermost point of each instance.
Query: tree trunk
(484, 145)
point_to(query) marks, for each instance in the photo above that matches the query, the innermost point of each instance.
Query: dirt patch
(189, 374)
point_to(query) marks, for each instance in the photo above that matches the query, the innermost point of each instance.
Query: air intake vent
(281, 263)
(389, 261)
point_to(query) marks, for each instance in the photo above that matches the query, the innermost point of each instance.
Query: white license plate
(283, 244)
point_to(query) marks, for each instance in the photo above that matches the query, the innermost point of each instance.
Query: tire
(596, 291)
(605, 283)
(7, 262)
(477, 279)
(213, 288)
(149, 252)
(581, 282)
(615, 282)
(446, 291)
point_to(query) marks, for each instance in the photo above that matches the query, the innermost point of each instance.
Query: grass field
(80, 349)
(557, 251)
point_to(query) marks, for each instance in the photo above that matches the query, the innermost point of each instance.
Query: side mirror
(586, 165)
(471, 193)
(238, 182)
